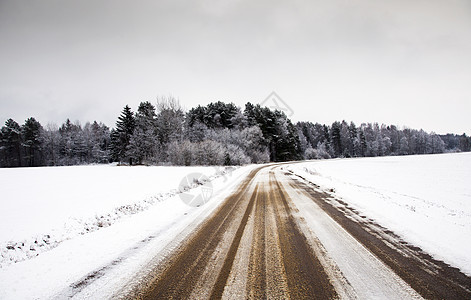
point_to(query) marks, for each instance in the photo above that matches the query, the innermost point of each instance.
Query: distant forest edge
(216, 134)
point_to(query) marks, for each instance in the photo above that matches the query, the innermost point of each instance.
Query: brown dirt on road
(305, 274)
(282, 264)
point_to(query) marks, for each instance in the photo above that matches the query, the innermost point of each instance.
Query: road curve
(276, 237)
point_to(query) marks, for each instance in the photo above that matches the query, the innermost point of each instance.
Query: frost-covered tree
(209, 152)
(51, 145)
(70, 143)
(234, 155)
(249, 140)
(404, 146)
(100, 137)
(436, 144)
(180, 153)
(170, 122)
(217, 133)
(253, 144)
(323, 151)
(144, 143)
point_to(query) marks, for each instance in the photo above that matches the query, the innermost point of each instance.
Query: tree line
(216, 134)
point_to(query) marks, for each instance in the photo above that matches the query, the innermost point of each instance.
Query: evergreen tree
(286, 140)
(336, 141)
(465, 143)
(215, 115)
(352, 137)
(11, 144)
(144, 144)
(363, 145)
(31, 132)
(121, 136)
(280, 135)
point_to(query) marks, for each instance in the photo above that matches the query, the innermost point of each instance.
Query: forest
(216, 134)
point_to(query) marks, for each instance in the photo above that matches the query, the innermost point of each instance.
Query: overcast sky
(397, 62)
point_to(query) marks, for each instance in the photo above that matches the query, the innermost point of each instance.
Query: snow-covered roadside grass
(425, 199)
(99, 263)
(42, 207)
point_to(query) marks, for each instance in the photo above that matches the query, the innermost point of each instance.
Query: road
(279, 237)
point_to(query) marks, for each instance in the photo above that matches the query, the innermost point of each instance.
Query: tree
(436, 144)
(121, 136)
(31, 131)
(180, 153)
(279, 134)
(69, 144)
(144, 144)
(100, 141)
(208, 152)
(363, 145)
(11, 144)
(465, 143)
(170, 121)
(286, 140)
(336, 140)
(51, 143)
(404, 146)
(352, 140)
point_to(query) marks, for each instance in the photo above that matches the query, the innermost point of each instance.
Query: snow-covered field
(425, 199)
(61, 227)
(58, 224)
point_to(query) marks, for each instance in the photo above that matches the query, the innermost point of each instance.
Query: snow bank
(425, 199)
(42, 207)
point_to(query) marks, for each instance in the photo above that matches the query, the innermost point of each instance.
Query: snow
(103, 219)
(95, 227)
(425, 199)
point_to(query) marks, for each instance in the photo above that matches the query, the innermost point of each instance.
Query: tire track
(277, 283)
(281, 263)
(306, 276)
(255, 246)
(227, 266)
(431, 278)
(180, 274)
(257, 275)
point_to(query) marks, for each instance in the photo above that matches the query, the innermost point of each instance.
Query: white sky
(404, 62)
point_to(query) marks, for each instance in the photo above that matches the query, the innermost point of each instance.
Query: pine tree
(465, 143)
(353, 139)
(363, 144)
(11, 144)
(121, 136)
(31, 131)
(336, 141)
(144, 144)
